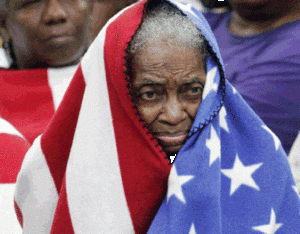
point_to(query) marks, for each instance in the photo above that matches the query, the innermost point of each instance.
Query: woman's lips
(59, 39)
(172, 139)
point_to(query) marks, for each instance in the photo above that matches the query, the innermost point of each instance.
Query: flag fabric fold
(96, 169)
(28, 101)
(30, 97)
(13, 148)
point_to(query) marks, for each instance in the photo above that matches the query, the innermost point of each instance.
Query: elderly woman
(150, 87)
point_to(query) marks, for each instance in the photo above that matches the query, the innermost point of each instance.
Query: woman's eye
(195, 90)
(149, 96)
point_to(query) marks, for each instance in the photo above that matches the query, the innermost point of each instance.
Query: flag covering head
(96, 169)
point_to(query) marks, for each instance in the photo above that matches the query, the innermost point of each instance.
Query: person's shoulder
(289, 31)
(216, 16)
(284, 41)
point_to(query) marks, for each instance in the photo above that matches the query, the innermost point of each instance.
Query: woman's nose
(54, 13)
(173, 112)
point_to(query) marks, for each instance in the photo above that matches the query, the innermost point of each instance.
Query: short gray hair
(167, 23)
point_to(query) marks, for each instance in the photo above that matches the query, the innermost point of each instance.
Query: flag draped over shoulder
(30, 97)
(28, 101)
(96, 169)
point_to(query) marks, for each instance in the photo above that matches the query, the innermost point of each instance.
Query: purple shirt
(265, 69)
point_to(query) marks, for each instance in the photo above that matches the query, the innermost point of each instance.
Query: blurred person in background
(260, 45)
(45, 40)
(38, 35)
(43, 43)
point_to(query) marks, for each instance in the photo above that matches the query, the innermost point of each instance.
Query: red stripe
(18, 213)
(144, 169)
(62, 220)
(57, 140)
(12, 151)
(26, 100)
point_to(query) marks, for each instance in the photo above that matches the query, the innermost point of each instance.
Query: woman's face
(168, 82)
(48, 32)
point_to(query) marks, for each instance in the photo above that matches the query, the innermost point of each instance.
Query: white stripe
(36, 193)
(195, 3)
(8, 220)
(6, 127)
(95, 191)
(59, 80)
(210, 85)
(294, 160)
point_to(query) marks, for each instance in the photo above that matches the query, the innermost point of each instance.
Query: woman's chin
(172, 150)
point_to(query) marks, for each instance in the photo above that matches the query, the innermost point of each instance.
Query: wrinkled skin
(47, 33)
(168, 83)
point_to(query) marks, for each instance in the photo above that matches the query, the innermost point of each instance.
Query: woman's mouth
(59, 40)
(171, 139)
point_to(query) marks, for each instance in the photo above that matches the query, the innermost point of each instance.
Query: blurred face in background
(47, 33)
(263, 9)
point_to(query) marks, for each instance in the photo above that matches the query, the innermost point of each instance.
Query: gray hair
(168, 24)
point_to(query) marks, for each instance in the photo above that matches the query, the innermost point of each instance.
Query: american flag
(96, 169)
(30, 97)
(28, 101)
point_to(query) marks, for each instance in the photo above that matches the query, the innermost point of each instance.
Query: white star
(223, 122)
(295, 188)
(270, 228)
(186, 7)
(175, 183)
(192, 230)
(214, 146)
(234, 90)
(275, 138)
(172, 158)
(210, 85)
(240, 174)
(215, 87)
